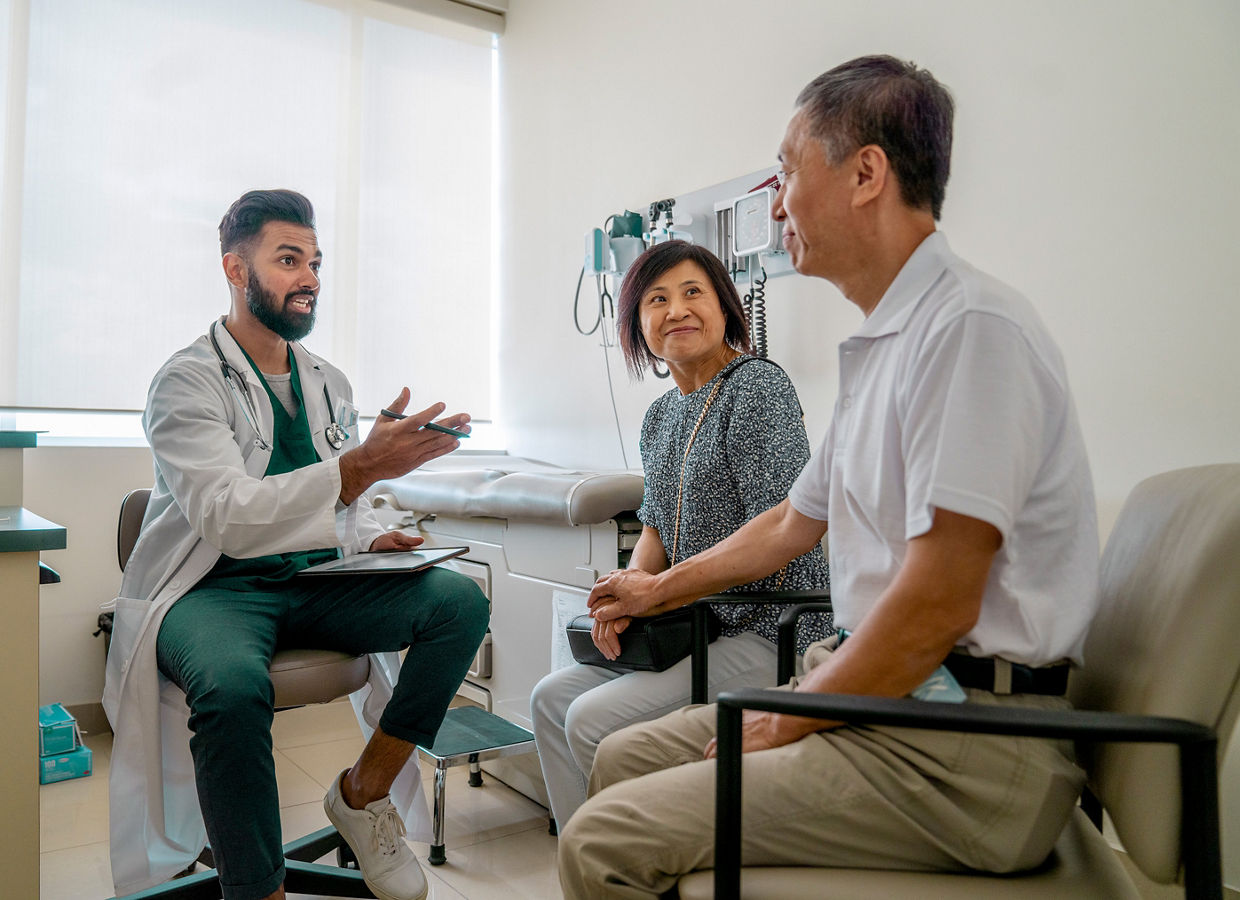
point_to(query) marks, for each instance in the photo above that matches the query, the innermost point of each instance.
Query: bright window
(145, 119)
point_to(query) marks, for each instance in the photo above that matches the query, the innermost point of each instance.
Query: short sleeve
(979, 408)
(810, 493)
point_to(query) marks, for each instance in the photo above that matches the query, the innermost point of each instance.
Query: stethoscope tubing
(334, 434)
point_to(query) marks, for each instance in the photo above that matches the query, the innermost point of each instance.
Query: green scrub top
(292, 448)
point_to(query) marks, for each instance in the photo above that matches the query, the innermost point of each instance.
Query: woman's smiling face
(681, 317)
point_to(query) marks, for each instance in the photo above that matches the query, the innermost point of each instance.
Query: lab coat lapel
(256, 462)
(317, 413)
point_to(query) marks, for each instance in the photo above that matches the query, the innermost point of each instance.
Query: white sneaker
(377, 837)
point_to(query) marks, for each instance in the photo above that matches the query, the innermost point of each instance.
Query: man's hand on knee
(765, 731)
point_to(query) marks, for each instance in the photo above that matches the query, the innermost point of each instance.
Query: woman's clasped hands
(614, 601)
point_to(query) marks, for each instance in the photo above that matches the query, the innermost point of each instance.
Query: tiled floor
(497, 841)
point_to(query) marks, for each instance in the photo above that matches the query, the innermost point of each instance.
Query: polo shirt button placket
(843, 422)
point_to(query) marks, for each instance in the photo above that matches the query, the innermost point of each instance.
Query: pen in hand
(431, 425)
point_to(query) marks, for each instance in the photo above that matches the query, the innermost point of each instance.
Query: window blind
(144, 120)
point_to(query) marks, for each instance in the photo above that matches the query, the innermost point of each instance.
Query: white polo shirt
(953, 396)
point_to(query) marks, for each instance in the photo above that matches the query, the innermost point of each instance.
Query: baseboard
(91, 718)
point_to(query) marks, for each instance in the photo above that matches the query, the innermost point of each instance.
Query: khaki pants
(890, 798)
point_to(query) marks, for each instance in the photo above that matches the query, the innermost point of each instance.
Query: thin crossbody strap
(680, 491)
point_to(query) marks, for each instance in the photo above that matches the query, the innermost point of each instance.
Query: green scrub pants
(216, 644)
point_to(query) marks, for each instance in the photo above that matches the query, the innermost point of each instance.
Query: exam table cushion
(517, 490)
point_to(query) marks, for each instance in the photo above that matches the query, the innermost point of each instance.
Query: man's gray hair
(884, 101)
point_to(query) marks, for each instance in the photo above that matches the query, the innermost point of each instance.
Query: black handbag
(649, 644)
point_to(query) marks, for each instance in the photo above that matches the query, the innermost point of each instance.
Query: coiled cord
(755, 311)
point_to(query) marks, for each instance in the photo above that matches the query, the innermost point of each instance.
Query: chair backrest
(1164, 643)
(129, 526)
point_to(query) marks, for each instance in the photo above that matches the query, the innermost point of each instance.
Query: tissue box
(57, 730)
(63, 766)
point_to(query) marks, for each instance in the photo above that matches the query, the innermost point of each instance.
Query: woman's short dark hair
(891, 103)
(642, 274)
(254, 209)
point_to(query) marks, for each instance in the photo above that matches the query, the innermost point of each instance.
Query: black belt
(980, 672)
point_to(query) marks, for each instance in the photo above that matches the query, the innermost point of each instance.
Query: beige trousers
(890, 798)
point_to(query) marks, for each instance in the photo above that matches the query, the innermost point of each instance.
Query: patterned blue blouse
(749, 449)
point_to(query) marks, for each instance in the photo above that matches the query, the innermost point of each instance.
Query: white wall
(1094, 169)
(80, 488)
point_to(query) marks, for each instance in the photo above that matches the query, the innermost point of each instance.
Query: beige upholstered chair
(300, 677)
(1162, 664)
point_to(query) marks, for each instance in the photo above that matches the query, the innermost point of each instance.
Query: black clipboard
(393, 562)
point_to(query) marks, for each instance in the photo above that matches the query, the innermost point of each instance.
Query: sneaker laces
(389, 831)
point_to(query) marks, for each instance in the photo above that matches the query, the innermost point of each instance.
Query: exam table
(538, 536)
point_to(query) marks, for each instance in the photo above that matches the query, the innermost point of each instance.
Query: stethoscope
(335, 435)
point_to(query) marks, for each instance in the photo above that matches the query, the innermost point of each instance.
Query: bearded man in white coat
(256, 478)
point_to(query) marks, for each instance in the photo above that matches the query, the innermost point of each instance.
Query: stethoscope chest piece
(336, 436)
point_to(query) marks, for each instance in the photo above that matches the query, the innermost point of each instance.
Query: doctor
(258, 475)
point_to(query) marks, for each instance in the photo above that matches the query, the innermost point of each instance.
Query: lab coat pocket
(126, 625)
(128, 615)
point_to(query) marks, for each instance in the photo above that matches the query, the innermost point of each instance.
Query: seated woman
(721, 447)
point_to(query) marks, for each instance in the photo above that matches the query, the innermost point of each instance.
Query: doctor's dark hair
(894, 104)
(645, 270)
(254, 209)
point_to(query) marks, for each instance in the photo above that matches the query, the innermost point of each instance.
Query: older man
(963, 545)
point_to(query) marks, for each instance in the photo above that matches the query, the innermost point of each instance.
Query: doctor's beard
(274, 314)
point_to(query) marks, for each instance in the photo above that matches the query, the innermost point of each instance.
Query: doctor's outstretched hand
(395, 447)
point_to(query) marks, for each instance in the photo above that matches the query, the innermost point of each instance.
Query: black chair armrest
(1198, 763)
(767, 596)
(787, 656)
(786, 629)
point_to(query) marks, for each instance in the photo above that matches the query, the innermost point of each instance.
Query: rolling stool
(299, 677)
(468, 735)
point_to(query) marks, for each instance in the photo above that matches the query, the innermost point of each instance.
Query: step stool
(468, 735)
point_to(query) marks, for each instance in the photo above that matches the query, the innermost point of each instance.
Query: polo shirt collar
(918, 274)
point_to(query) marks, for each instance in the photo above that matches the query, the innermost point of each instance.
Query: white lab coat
(210, 497)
